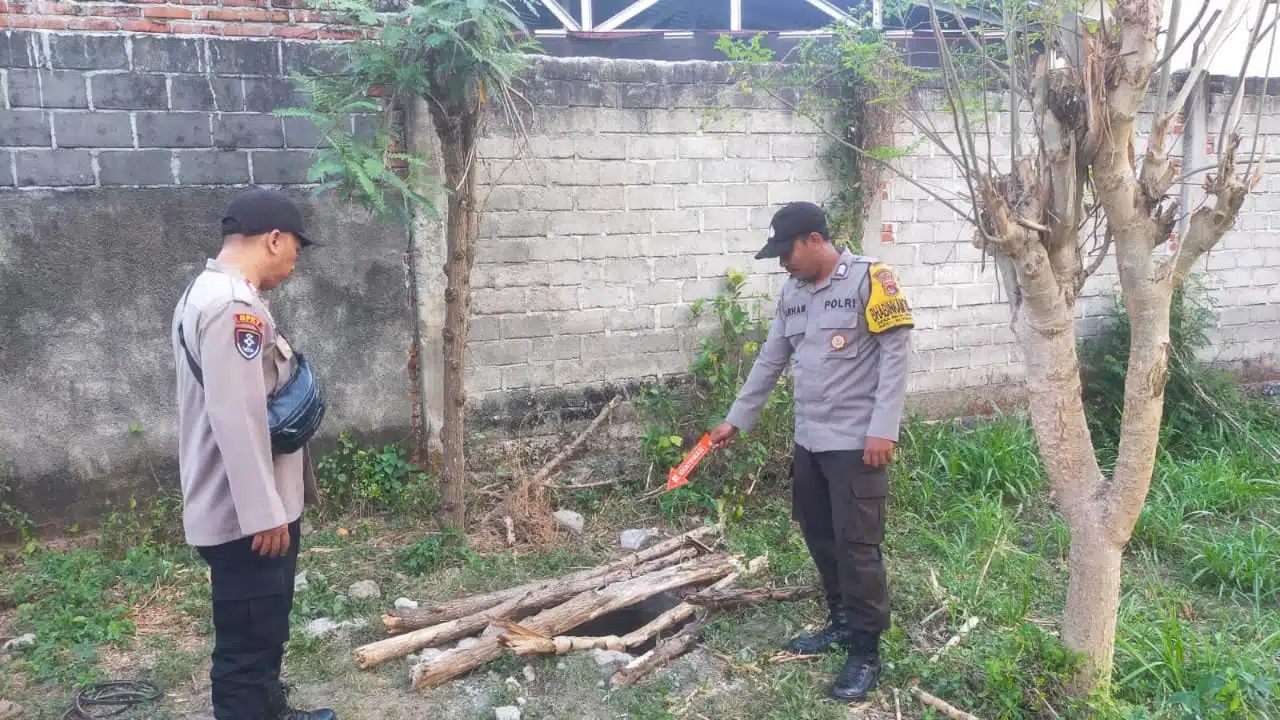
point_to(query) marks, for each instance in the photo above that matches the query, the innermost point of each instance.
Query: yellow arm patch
(887, 307)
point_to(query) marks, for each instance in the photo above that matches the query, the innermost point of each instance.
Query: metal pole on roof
(735, 14)
(587, 23)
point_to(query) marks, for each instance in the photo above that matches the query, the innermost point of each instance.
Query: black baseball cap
(260, 210)
(793, 220)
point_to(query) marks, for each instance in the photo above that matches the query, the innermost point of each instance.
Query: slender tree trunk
(457, 139)
(1066, 447)
(1093, 602)
(1148, 304)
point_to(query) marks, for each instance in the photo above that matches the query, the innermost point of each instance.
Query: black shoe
(861, 669)
(836, 632)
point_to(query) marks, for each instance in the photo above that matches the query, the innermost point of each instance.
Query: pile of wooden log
(534, 618)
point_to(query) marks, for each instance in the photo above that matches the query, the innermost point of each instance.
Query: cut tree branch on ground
(666, 651)
(583, 608)
(376, 653)
(969, 624)
(405, 620)
(541, 477)
(941, 705)
(718, 599)
(524, 642)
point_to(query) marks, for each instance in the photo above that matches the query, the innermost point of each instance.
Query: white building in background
(688, 29)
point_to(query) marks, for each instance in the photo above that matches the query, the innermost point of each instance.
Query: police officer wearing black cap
(844, 323)
(247, 404)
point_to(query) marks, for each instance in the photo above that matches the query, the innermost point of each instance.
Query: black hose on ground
(112, 699)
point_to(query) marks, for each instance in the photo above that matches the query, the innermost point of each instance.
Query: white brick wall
(623, 212)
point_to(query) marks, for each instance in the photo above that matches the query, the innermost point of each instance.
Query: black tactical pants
(840, 504)
(252, 600)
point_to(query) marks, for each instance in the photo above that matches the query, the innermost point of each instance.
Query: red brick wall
(227, 18)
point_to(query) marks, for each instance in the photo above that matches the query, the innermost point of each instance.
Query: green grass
(971, 533)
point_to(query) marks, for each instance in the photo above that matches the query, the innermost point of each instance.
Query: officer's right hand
(272, 543)
(722, 436)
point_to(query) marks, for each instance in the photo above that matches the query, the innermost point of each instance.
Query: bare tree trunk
(1066, 447)
(457, 139)
(1093, 601)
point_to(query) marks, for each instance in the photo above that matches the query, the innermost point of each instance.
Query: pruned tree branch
(1208, 224)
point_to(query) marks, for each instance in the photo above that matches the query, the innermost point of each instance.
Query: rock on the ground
(19, 643)
(321, 626)
(306, 529)
(570, 520)
(324, 625)
(507, 712)
(529, 676)
(610, 657)
(406, 604)
(10, 710)
(512, 684)
(364, 590)
(300, 580)
(466, 643)
(521, 701)
(635, 539)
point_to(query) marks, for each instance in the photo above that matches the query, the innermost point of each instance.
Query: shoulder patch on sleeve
(887, 306)
(248, 334)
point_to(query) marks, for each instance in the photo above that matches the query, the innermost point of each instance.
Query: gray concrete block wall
(131, 110)
(623, 200)
(624, 204)
(118, 155)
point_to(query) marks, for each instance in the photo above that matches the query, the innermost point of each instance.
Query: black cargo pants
(840, 504)
(252, 600)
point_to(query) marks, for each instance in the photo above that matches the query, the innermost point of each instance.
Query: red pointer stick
(680, 474)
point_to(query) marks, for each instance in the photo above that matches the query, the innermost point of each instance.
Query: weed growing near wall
(677, 417)
(360, 480)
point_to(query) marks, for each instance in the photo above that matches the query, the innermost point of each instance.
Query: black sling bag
(294, 413)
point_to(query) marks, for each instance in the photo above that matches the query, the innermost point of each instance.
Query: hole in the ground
(621, 622)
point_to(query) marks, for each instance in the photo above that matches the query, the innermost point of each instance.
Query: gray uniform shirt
(232, 486)
(849, 341)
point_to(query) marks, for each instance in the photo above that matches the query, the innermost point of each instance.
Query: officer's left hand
(878, 453)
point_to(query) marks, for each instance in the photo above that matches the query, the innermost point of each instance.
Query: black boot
(836, 632)
(861, 669)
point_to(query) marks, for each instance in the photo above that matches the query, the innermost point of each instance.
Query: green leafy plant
(12, 520)
(75, 602)
(1203, 407)
(435, 552)
(849, 81)
(455, 58)
(360, 480)
(677, 417)
(156, 522)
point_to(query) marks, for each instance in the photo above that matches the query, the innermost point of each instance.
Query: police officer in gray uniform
(844, 322)
(242, 502)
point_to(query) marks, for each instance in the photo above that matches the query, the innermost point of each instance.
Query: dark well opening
(621, 622)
